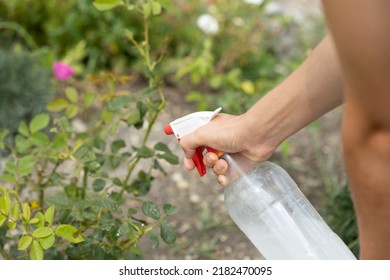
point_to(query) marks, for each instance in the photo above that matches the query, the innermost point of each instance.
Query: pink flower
(62, 71)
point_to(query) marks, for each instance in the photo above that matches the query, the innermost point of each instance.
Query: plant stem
(85, 182)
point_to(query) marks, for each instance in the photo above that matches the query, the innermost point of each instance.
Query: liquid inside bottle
(267, 205)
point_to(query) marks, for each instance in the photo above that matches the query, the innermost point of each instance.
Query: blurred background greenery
(254, 45)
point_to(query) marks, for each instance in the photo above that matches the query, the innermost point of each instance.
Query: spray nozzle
(188, 124)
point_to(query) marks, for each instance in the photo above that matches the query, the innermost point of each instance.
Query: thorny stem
(144, 51)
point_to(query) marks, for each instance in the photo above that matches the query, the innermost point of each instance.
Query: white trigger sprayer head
(189, 123)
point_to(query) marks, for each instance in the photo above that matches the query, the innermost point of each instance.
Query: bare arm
(361, 34)
(310, 91)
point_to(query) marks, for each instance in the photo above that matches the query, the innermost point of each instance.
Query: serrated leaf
(145, 152)
(15, 211)
(57, 105)
(89, 97)
(24, 242)
(72, 94)
(70, 233)
(41, 219)
(49, 215)
(84, 154)
(169, 209)
(134, 117)
(23, 129)
(42, 232)
(147, 9)
(47, 242)
(104, 5)
(26, 165)
(72, 111)
(167, 232)
(5, 203)
(39, 139)
(117, 145)
(26, 214)
(33, 221)
(131, 212)
(167, 154)
(119, 102)
(171, 158)
(154, 242)
(36, 251)
(98, 184)
(156, 8)
(39, 122)
(151, 210)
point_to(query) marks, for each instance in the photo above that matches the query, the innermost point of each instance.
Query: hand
(230, 134)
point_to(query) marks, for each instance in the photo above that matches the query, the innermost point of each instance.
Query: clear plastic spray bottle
(267, 205)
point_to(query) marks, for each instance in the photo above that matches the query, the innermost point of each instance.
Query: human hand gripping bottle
(267, 205)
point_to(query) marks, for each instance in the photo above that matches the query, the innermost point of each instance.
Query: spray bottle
(266, 204)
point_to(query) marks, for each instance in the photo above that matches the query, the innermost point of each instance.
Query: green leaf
(70, 233)
(147, 9)
(117, 145)
(145, 152)
(23, 129)
(104, 5)
(39, 122)
(98, 184)
(84, 154)
(134, 117)
(131, 212)
(167, 155)
(169, 209)
(15, 211)
(141, 185)
(42, 232)
(72, 111)
(156, 8)
(72, 94)
(47, 242)
(151, 210)
(41, 219)
(26, 165)
(26, 214)
(64, 124)
(33, 221)
(107, 116)
(119, 102)
(39, 139)
(57, 105)
(167, 232)
(49, 215)
(154, 242)
(89, 97)
(36, 251)
(24, 242)
(5, 203)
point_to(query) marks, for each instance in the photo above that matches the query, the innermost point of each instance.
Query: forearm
(309, 92)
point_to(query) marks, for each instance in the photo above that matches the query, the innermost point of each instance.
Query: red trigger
(198, 160)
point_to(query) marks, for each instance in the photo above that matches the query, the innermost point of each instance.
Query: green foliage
(87, 214)
(340, 215)
(24, 89)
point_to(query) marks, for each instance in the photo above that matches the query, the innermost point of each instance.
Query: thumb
(190, 142)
